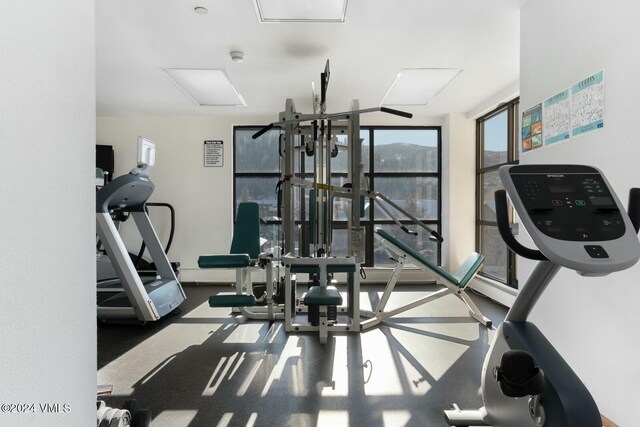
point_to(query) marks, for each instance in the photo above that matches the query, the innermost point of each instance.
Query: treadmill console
(573, 216)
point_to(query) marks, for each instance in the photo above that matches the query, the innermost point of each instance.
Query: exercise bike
(575, 219)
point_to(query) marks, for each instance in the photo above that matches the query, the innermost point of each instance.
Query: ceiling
(136, 40)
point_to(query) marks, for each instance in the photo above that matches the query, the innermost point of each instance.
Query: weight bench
(455, 284)
(244, 257)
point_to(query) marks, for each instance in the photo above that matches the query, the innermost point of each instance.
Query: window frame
(369, 222)
(237, 174)
(372, 175)
(513, 111)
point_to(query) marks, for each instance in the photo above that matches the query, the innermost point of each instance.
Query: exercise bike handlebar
(634, 208)
(502, 218)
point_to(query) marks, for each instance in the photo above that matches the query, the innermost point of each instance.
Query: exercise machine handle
(396, 112)
(262, 131)
(437, 236)
(406, 230)
(378, 196)
(633, 209)
(502, 217)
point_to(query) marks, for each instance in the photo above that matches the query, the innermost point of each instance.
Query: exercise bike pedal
(518, 376)
(465, 418)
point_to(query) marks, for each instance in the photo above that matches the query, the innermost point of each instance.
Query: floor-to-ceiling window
(256, 165)
(403, 163)
(406, 168)
(497, 136)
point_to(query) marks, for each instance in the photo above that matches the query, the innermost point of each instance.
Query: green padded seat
(232, 300)
(315, 269)
(323, 295)
(224, 261)
(460, 278)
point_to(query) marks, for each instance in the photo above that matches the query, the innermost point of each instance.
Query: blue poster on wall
(532, 128)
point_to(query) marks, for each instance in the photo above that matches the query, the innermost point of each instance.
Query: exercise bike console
(573, 216)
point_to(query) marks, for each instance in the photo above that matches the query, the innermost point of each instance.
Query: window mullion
(254, 184)
(511, 134)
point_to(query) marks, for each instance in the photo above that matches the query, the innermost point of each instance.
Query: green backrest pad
(460, 278)
(246, 230)
(245, 245)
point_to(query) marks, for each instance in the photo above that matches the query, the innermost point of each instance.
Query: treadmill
(132, 298)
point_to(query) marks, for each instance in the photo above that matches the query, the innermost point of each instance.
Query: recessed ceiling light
(206, 87)
(416, 86)
(200, 10)
(301, 10)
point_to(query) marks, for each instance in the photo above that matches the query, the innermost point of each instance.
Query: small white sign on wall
(213, 153)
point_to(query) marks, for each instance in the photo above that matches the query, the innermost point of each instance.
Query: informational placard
(532, 128)
(587, 104)
(557, 118)
(213, 153)
(566, 114)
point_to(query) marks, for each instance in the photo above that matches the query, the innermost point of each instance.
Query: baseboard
(498, 292)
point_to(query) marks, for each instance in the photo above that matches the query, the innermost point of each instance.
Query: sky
(410, 136)
(495, 132)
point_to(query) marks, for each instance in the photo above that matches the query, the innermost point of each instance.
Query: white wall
(593, 322)
(47, 221)
(458, 190)
(202, 196)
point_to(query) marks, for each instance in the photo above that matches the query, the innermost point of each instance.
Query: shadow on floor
(207, 367)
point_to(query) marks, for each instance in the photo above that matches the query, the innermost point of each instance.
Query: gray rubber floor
(207, 367)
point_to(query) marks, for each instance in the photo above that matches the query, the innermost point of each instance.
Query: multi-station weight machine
(318, 139)
(317, 135)
(308, 250)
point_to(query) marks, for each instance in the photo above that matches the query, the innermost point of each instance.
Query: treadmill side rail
(133, 287)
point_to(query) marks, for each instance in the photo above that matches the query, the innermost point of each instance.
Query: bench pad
(232, 300)
(224, 261)
(323, 295)
(460, 278)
